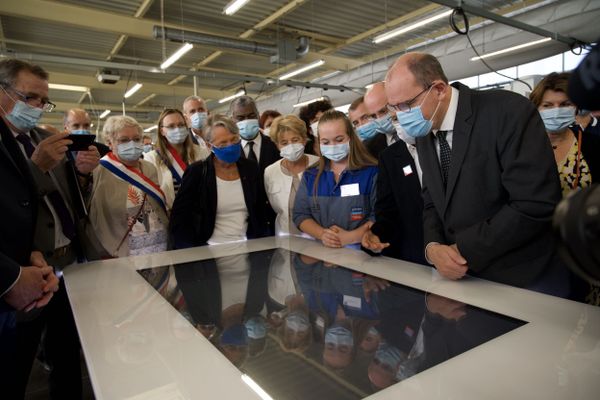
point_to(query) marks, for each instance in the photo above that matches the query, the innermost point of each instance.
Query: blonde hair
(358, 156)
(189, 153)
(217, 120)
(117, 123)
(288, 123)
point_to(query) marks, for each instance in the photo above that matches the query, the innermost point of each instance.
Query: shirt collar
(448, 121)
(256, 140)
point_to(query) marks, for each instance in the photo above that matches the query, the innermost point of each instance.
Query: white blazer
(165, 177)
(278, 187)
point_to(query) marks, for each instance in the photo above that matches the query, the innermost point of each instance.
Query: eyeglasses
(406, 106)
(35, 101)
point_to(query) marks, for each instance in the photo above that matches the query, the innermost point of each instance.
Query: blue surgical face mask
(228, 154)
(24, 117)
(148, 148)
(81, 132)
(413, 121)
(256, 328)
(198, 119)
(177, 135)
(297, 321)
(367, 131)
(249, 128)
(388, 355)
(339, 336)
(335, 152)
(130, 151)
(558, 119)
(385, 125)
(405, 137)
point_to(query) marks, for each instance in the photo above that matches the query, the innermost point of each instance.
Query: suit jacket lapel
(403, 158)
(460, 139)
(432, 175)
(14, 156)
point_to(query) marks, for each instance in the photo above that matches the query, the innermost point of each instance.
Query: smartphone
(81, 142)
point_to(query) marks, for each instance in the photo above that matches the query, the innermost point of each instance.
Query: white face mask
(292, 152)
(177, 135)
(266, 131)
(130, 151)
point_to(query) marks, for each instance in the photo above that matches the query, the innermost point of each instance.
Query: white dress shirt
(448, 121)
(257, 143)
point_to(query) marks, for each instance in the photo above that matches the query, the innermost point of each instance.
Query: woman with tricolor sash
(127, 211)
(175, 151)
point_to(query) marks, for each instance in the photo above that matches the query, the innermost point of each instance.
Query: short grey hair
(193, 97)
(10, 68)
(243, 101)
(219, 120)
(117, 123)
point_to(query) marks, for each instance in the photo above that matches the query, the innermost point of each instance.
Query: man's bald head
(77, 119)
(423, 68)
(376, 101)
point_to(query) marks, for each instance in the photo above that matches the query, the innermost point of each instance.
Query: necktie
(445, 155)
(58, 203)
(251, 153)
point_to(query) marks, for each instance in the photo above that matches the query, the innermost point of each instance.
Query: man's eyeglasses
(35, 101)
(406, 106)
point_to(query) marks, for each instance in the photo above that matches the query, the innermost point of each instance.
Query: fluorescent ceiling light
(308, 102)
(72, 88)
(150, 129)
(400, 30)
(146, 99)
(521, 46)
(233, 96)
(104, 114)
(134, 89)
(176, 56)
(254, 386)
(233, 6)
(307, 67)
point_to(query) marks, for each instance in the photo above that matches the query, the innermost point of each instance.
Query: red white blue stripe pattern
(175, 163)
(133, 177)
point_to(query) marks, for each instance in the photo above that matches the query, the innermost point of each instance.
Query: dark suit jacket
(376, 145)
(502, 188)
(69, 189)
(269, 153)
(399, 205)
(18, 202)
(195, 207)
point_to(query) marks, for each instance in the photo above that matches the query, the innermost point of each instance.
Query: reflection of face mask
(228, 154)
(177, 135)
(339, 336)
(292, 151)
(367, 130)
(335, 152)
(248, 128)
(413, 121)
(130, 151)
(558, 119)
(388, 355)
(198, 119)
(24, 117)
(405, 137)
(256, 328)
(314, 127)
(81, 132)
(385, 124)
(297, 321)
(148, 148)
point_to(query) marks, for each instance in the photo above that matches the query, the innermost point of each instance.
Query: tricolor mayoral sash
(175, 163)
(134, 178)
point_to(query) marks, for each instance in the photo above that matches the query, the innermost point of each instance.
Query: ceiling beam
(87, 18)
(123, 38)
(149, 87)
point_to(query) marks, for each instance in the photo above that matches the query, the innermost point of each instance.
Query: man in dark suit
(196, 114)
(366, 127)
(255, 146)
(24, 97)
(490, 183)
(398, 228)
(78, 121)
